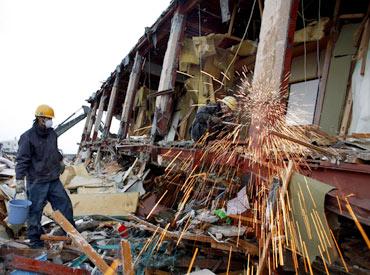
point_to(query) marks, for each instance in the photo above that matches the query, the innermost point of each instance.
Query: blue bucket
(18, 211)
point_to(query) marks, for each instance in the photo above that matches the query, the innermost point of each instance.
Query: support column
(164, 103)
(87, 122)
(276, 30)
(274, 53)
(130, 96)
(112, 102)
(100, 114)
(91, 121)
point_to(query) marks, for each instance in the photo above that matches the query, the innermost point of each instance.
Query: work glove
(20, 186)
(62, 167)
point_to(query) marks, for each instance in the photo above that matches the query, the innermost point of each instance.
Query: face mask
(48, 123)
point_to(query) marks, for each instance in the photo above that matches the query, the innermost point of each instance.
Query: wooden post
(326, 67)
(274, 35)
(88, 119)
(100, 114)
(91, 121)
(111, 104)
(80, 241)
(273, 58)
(164, 103)
(130, 96)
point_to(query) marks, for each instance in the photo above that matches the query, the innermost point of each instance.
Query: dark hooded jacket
(204, 122)
(38, 158)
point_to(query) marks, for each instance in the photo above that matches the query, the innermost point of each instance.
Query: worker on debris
(40, 162)
(213, 118)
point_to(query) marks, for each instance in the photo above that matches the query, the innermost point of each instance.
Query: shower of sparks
(261, 112)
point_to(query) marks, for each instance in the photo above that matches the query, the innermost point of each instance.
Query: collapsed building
(292, 209)
(315, 53)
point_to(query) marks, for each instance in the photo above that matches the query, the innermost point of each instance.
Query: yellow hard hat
(230, 102)
(44, 111)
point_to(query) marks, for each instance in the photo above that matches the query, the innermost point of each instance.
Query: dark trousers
(39, 194)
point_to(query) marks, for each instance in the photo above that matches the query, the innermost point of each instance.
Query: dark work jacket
(38, 158)
(203, 122)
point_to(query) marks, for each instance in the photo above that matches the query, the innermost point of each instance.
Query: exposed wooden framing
(365, 46)
(326, 67)
(164, 103)
(276, 23)
(272, 63)
(126, 258)
(80, 242)
(112, 103)
(346, 114)
(87, 122)
(91, 121)
(130, 96)
(100, 113)
(232, 20)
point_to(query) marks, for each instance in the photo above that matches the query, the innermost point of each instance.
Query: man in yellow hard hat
(212, 118)
(40, 162)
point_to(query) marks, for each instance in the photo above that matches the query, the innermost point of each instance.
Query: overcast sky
(59, 52)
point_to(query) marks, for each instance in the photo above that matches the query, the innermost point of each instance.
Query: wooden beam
(80, 242)
(126, 258)
(100, 113)
(112, 103)
(276, 22)
(44, 267)
(326, 67)
(91, 121)
(130, 96)
(87, 122)
(164, 103)
(272, 63)
(232, 20)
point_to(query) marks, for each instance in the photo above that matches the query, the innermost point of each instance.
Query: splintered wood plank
(23, 263)
(126, 258)
(80, 242)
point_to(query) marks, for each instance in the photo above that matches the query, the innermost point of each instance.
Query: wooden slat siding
(80, 242)
(326, 67)
(99, 116)
(130, 96)
(164, 103)
(112, 102)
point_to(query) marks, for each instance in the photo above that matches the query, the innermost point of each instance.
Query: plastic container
(18, 211)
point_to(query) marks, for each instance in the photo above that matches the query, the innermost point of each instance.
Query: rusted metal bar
(130, 96)
(23, 263)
